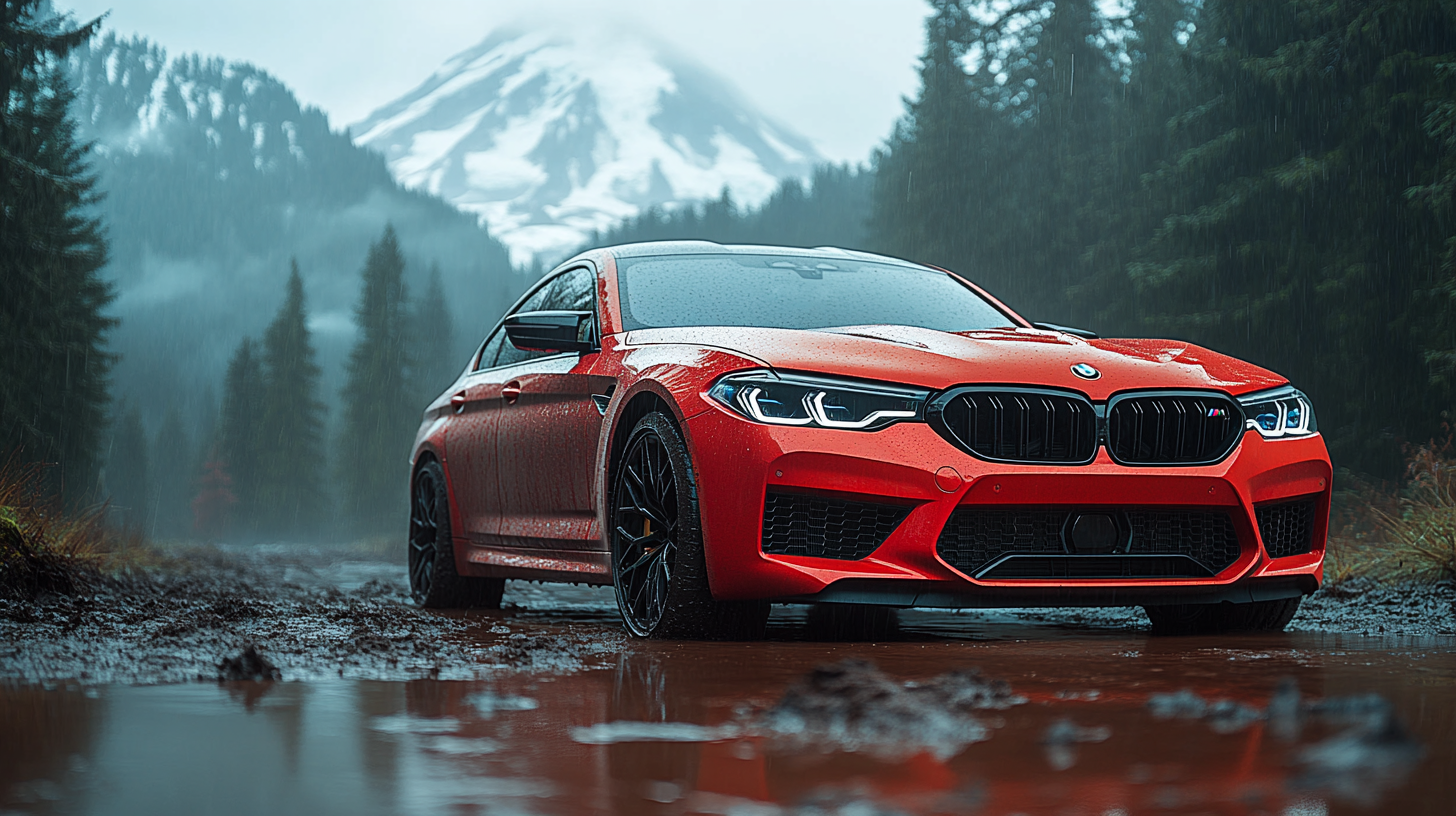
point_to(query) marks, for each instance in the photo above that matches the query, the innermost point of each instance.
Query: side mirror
(551, 331)
(1082, 333)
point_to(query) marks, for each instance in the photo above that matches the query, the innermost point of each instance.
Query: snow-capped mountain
(216, 178)
(548, 136)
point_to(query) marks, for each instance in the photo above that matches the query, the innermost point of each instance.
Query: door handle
(511, 391)
(457, 401)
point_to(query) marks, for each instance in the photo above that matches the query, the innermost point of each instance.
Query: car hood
(936, 359)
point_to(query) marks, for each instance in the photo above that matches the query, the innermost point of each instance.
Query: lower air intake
(821, 527)
(1032, 543)
(1287, 527)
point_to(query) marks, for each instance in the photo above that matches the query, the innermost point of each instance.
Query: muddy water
(678, 728)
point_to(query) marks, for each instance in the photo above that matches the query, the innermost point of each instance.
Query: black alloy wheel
(658, 568)
(434, 582)
(646, 522)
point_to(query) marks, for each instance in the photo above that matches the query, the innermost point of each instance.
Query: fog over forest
(1270, 180)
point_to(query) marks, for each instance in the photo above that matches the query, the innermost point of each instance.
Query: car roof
(659, 248)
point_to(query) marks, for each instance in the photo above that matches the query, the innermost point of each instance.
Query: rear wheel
(434, 582)
(658, 568)
(1204, 619)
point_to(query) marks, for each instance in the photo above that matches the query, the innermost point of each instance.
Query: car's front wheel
(1205, 619)
(434, 581)
(658, 568)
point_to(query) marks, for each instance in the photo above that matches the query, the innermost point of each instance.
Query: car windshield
(795, 292)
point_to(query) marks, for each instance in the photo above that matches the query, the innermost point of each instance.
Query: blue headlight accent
(1280, 413)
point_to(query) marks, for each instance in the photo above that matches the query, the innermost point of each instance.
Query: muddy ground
(319, 612)
(299, 680)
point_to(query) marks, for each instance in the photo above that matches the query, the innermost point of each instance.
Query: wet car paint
(546, 533)
(668, 728)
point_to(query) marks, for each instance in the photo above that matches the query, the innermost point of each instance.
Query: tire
(1207, 619)
(434, 583)
(852, 622)
(660, 576)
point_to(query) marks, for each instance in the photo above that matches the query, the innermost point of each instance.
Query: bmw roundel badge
(1085, 371)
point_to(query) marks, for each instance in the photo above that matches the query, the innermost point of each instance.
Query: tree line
(54, 365)
(1270, 178)
(269, 469)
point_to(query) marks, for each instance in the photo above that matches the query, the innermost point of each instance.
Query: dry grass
(44, 549)
(1399, 535)
(1421, 531)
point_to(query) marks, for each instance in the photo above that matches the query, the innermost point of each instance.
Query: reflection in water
(379, 751)
(46, 740)
(1087, 740)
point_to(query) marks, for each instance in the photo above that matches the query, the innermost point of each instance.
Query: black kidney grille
(1287, 527)
(796, 524)
(1019, 425)
(1172, 429)
(974, 539)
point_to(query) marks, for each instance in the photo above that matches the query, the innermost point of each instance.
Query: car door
(547, 438)
(470, 437)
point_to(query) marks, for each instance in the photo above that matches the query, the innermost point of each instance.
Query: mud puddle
(1056, 721)
(545, 707)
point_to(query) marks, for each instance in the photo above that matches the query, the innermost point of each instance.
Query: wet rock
(248, 665)
(1372, 754)
(1228, 716)
(1223, 716)
(1180, 705)
(487, 703)
(854, 705)
(1062, 737)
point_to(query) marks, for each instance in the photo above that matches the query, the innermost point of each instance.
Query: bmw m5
(712, 429)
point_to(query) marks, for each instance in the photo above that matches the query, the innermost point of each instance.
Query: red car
(711, 429)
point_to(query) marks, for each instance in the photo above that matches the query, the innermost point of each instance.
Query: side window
(573, 291)
(491, 351)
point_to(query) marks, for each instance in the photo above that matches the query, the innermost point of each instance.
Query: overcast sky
(835, 70)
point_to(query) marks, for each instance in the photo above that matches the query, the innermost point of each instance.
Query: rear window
(795, 292)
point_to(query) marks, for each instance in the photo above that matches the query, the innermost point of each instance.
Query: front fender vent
(825, 527)
(1287, 527)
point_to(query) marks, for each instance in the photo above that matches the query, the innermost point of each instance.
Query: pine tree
(291, 496)
(1289, 235)
(173, 464)
(128, 472)
(433, 335)
(380, 414)
(53, 363)
(240, 438)
(924, 177)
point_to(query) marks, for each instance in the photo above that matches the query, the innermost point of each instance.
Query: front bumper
(738, 462)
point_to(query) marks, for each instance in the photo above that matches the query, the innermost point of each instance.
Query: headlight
(822, 402)
(1281, 412)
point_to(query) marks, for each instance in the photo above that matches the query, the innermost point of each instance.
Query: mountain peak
(550, 134)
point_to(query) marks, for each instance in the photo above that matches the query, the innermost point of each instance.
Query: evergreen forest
(1269, 178)
(1272, 179)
